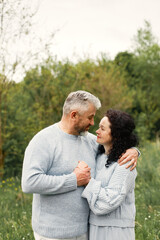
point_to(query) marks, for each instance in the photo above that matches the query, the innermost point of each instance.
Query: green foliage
(142, 71)
(147, 69)
(144, 39)
(149, 177)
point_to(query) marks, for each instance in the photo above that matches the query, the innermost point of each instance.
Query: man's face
(85, 120)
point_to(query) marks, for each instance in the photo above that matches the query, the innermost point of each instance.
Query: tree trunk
(1, 143)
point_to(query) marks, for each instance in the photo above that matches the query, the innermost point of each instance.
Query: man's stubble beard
(81, 130)
(84, 133)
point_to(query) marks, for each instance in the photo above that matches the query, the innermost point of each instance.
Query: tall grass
(15, 211)
(15, 207)
(148, 194)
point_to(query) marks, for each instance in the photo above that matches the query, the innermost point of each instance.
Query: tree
(142, 68)
(18, 50)
(147, 51)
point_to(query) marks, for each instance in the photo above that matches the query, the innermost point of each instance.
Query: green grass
(15, 211)
(148, 194)
(15, 207)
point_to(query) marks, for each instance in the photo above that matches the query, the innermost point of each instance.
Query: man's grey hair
(80, 100)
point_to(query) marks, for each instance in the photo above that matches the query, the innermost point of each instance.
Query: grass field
(15, 207)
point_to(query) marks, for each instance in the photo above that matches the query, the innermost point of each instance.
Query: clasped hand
(83, 173)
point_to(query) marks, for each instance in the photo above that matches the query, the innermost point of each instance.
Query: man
(50, 170)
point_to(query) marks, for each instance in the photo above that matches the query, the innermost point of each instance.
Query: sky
(87, 28)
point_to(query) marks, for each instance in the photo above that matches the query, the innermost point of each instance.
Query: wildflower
(145, 218)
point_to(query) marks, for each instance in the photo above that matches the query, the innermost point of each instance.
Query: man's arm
(38, 160)
(131, 156)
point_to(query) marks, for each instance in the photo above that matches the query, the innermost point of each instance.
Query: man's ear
(73, 115)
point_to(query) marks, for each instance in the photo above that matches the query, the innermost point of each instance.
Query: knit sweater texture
(58, 210)
(111, 195)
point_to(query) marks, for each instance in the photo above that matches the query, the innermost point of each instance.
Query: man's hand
(83, 174)
(130, 155)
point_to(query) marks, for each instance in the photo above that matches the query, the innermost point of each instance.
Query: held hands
(130, 155)
(83, 173)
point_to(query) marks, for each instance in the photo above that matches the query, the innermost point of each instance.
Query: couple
(61, 170)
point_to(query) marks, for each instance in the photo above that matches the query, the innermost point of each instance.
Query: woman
(111, 194)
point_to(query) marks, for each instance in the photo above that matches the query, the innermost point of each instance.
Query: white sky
(89, 27)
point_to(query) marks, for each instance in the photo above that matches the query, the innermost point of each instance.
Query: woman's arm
(103, 200)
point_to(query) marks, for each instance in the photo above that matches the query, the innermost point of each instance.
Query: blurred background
(49, 48)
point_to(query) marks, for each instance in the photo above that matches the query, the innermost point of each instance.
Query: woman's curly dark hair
(122, 127)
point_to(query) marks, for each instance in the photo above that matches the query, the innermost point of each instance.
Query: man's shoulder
(49, 129)
(45, 133)
(91, 139)
(91, 136)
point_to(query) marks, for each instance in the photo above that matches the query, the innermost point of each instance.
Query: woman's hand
(82, 165)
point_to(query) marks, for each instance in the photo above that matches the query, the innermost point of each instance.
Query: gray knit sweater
(111, 195)
(58, 210)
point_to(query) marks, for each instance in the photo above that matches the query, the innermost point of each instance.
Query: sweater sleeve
(103, 200)
(35, 179)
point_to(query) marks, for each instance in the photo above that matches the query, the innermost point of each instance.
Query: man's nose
(92, 122)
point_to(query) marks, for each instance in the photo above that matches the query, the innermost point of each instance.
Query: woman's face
(104, 132)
